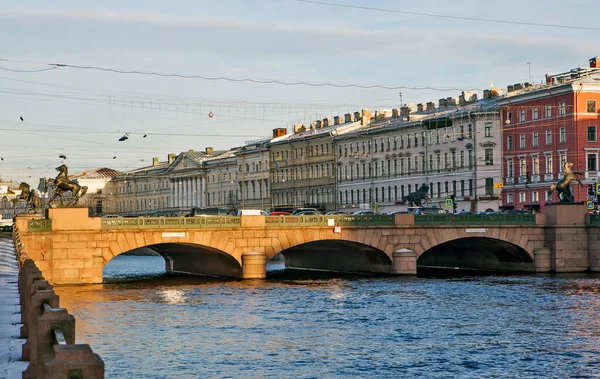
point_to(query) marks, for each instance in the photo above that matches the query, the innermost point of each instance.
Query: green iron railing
(475, 219)
(323, 220)
(41, 225)
(595, 220)
(171, 222)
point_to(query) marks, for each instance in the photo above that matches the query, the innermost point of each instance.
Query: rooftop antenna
(529, 64)
(400, 94)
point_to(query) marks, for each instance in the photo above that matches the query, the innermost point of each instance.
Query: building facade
(453, 149)
(546, 126)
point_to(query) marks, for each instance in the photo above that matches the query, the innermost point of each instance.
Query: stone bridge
(70, 247)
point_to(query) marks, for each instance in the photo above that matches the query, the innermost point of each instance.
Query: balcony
(535, 178)
(522, 179)
(548, 177)
(510, 180)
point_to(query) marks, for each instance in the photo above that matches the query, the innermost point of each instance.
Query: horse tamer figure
(418, 198)
(34, 203)
(563, 186)
(63, 184)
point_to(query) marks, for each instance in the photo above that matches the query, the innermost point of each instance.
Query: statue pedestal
(566, 214)
(72, 218)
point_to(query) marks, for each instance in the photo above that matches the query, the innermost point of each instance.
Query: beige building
(222, 187)
(303, 163)
(253, 175)
(454, 149)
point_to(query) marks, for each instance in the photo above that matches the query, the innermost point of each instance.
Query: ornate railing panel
(595, 220)
(41, 225)
(475, 219)
(171, 222)
(323, 220)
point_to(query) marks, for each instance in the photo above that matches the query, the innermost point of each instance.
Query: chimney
(395, 112)
(318, 124)
(442, 103)
(171, 158)
(420, 107)
(595, 62)
(510, 88)
(326, 122)
(430, 105)
(278, 132)
(348, 117)
(451, 101)
(469, 96)
(366, 117)
(155, 161)
(487, 94)
(208, 150)
(550, 78)
(298, 128)
(357, 116)
(337, 120)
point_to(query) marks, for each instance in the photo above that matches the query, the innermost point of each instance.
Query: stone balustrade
(50, 330)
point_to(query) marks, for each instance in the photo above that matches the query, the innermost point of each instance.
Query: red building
(545, 126)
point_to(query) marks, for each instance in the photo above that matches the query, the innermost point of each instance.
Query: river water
(307, 326)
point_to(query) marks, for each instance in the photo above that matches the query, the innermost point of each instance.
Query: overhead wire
(453, 17)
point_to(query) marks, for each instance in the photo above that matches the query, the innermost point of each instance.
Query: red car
(279, 214)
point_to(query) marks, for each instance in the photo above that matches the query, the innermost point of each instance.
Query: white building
(454, 149)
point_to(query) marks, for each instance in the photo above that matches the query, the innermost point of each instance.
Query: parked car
(279, 214)
(209, 212)
(251, 212)
(336, 213)
(305, 210)
(426, 210)
(365, 213)
(516, 211)
(307, 213)
(112, 216)
(399, 212)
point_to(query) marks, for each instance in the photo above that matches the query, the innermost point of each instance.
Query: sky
(82, 112)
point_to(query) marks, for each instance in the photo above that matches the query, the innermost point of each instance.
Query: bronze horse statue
(34, 203)
(418, 198)
(562, 187)
(63, 184)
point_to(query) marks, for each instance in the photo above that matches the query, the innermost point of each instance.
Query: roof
(99, 173)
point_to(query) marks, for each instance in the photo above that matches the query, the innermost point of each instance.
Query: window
(488, 129)
(535, 138)
(562, 109)
(522, 166)
(591, 106)
(536, 165)
(522, 141)
(522, 197)
(509, 168)
(548, 164)
(563, 135)
(509, 198)
(509, 142)
(536, 113)
(522, 115)
(509, 118)
(592, 162)
(534, 197)
(462, 158)
(591, 133)
(548, 110)
(489, 186)
(489, 156)
(548, 137)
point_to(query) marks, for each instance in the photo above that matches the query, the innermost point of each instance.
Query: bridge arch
(339, 256)
(477, 253)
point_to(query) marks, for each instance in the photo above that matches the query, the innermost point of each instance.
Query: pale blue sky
(82, 113)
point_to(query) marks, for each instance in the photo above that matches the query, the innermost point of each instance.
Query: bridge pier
(405, 262)
(543, 259)
(254, 265)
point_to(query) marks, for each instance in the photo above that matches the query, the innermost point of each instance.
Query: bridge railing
(172, 222)
(595, 220)
(323, 220)
(475, 219)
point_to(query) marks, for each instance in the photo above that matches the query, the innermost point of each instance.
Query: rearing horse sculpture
(562, 187)
(34, 203)
(64, 184)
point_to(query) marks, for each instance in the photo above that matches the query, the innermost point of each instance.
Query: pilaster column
(405, 262)
(254, 265)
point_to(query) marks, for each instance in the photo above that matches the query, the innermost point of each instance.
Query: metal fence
(171, 222)
(475, 219)
(323, 220)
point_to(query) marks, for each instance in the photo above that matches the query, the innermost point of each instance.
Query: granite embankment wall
(50, 330)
